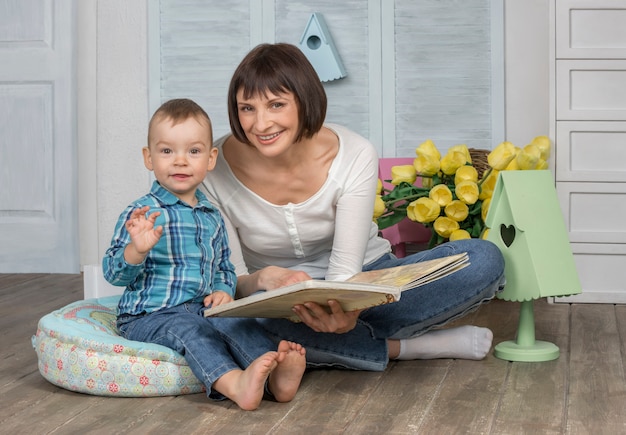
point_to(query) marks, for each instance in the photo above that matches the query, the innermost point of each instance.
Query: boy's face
(180, 155)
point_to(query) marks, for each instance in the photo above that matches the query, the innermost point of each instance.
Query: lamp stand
(525, 348)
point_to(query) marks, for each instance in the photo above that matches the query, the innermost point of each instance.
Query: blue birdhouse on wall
(318, 46)
(526, 223)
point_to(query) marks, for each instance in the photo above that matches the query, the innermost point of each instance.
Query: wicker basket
(479, 160)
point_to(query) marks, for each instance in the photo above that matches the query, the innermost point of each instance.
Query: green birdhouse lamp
(526, 223)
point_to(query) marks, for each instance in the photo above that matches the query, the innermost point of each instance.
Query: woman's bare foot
(284, 380)
(246, 387)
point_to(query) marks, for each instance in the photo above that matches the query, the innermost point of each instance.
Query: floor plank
(403, 401)
(597, 393)
(529, 386)
(583, 391)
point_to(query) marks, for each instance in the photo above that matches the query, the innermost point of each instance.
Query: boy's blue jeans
(210, 352)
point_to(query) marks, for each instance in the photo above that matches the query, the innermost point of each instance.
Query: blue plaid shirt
(190, 261)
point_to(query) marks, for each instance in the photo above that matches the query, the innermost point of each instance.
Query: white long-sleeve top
(331, 235)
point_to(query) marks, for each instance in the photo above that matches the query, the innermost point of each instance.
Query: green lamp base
(536, 352)
(525, 348)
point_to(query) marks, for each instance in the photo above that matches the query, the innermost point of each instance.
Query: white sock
(463, 342)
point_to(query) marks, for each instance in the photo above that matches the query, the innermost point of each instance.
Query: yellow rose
(484, 209)
(379, 207)
(542, 164)
(467, 191)
(456, 210)
(485, 234)
(452, 161)
(513, 166)
(379, 187)
(428, 148)
(441, 194)
(543, 143)
(465, 173)
(459, 235)
(423, 210)
(528, 157)
(426, 165)
(444, 226)
(488, 185)
(500, 157)
(403, 173)
(464, 150)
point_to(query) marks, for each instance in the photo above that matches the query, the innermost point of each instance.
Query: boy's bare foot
(246, 387)
(284, 380)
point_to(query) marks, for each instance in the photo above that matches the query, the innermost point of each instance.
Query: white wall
(526, 69)
(113, 111)
(113, 103)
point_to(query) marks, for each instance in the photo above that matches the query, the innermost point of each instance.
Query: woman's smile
(268, 139)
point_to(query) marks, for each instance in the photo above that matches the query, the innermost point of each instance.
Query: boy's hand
(142, 233)
(217, 298)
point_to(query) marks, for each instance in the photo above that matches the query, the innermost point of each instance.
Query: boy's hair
(179, 110)
(279, 68)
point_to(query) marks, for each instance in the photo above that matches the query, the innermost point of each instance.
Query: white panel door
(38, 188)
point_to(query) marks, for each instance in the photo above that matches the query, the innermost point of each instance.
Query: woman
(297, 196)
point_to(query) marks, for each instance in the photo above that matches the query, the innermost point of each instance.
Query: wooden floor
(583, 392)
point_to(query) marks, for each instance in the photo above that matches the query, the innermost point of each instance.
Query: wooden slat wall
(348, 98)
(201, 44)
(416, 69)
(443, 73)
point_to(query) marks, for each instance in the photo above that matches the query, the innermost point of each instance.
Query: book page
(411, 274)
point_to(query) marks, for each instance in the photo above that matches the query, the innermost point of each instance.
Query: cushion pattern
(78, 348)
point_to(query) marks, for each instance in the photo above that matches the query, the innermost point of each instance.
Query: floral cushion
(79, 349)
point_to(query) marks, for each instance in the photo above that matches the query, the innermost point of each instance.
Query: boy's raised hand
(142, 234)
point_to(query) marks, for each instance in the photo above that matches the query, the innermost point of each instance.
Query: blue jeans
(210, 351)
(419, 309)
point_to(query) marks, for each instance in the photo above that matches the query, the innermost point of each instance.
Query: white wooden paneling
(591, 151)
(94, 284)
(443, 64)
(591, 90)
(591, 29)
(594, 212)
(601, 272)
(588, 102)
(413, 67)
(201, 43)
(26, 23)
(347, 21)
(26, 120)
(38, 208)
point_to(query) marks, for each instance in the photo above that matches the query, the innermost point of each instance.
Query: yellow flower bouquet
(452, 198)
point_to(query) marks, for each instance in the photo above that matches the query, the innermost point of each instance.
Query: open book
(363, 290)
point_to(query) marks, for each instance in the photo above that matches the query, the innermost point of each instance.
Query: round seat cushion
(78, 348)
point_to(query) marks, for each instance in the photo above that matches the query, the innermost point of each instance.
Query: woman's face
(270, 121)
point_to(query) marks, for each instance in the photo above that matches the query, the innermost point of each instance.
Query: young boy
(170, 250)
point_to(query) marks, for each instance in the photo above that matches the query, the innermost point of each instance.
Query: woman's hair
(179, 110)
(279, 68)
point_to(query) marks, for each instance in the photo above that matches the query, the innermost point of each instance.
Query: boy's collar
(167, 197)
